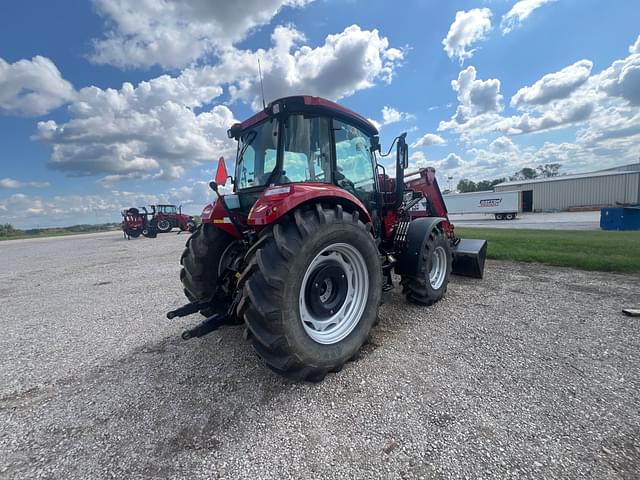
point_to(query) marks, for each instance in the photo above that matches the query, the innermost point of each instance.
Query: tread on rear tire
(272, 280)
(200, 262)
(419, 289)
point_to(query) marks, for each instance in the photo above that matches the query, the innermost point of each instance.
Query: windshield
(257, 154)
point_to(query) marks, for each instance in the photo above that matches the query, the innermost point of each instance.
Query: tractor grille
(400, 234)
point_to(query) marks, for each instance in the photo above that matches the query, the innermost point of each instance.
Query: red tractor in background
(167, 217)
(303, 249)
(156, 219)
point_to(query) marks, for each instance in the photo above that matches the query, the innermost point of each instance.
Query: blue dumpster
(622, 218)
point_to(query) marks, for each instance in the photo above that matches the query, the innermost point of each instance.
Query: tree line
(541, 171)
(8, 231)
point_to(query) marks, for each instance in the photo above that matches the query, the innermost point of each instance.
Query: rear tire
(311, 291)
(200, 262)
(510, 216)
(499, 216)
(430, 284)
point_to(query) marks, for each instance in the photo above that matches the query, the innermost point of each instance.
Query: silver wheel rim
(224, 259)
(338, 323)
(163, 224)
(438, 270)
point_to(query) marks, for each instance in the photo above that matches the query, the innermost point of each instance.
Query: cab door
(354, 164)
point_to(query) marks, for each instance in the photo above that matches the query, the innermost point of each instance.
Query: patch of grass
(586, 250)
(8, 232)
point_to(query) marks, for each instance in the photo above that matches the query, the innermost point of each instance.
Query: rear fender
(275, 202)
(408, 261)
(216, 214)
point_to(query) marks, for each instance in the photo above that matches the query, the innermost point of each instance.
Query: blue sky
(111, 103)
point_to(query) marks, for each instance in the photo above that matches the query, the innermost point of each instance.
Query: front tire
(311, 291)
(434, 270)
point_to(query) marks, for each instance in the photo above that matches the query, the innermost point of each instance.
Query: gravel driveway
(532, 372)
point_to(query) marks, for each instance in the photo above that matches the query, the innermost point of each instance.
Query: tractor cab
(305, 140)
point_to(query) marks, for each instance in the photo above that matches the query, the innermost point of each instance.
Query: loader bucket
(469, 256)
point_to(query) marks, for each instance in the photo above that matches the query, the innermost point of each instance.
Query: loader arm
(468, 254)
(424, 181)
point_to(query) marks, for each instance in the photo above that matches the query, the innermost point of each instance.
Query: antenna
(264, 106)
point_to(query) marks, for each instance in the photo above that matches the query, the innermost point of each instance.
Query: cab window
(167, 209)
(354, 161)
(257, 154)
(307, 150)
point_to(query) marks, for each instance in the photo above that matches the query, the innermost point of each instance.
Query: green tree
(525, 174)
(465, 185)
(548, 170)
(7, 230)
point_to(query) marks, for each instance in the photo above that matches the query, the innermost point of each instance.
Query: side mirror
(375, 143)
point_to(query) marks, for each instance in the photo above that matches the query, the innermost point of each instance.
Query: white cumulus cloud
(635, 48)
(502, 144)
(392, 115)
(467, 29)
(428, 140)
(175, 33)
(563, 113)
(151, 128)
(622, 79)
(475, 97)
(32, 87)
(554, 86)
(13, 183)
(351, 60)
(520, 11)
(160, 127)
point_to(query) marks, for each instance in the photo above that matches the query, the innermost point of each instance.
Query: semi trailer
(503, 205)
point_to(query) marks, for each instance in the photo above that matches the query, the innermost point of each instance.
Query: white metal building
(597, 189)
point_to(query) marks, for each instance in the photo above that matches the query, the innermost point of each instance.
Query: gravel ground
(532, 372)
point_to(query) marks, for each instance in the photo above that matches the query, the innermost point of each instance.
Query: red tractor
(167, 217)
(159, 219)
(303, 249)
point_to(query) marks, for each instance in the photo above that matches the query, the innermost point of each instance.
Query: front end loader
(302, 250)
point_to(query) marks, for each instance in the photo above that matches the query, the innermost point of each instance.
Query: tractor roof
(309, 104)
